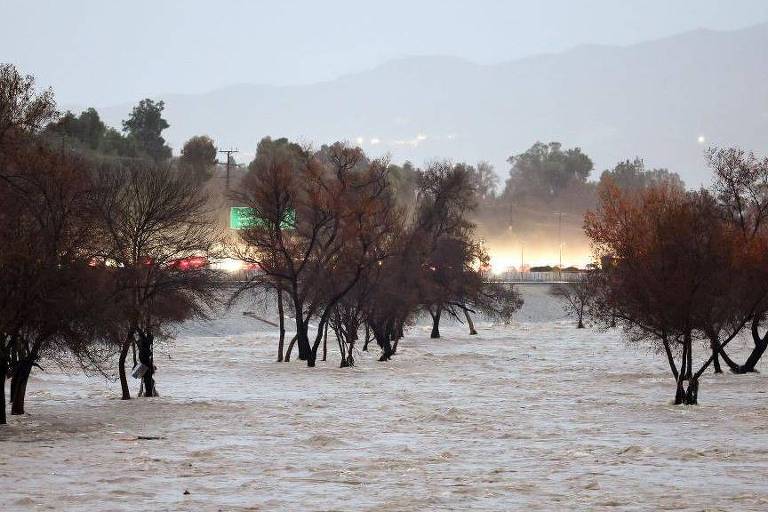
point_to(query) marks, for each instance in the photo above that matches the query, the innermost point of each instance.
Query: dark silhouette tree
(741, 188)
(545, 171)
(87, 129)
(145, 126)
(632, 175)
(577, 296)
(198, 157)
(23, 110)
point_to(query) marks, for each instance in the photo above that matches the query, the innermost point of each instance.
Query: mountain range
(665, 100)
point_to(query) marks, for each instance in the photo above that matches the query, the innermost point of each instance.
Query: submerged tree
(156, 230)
(315, 229)
(671, 262)
(577, 296)
(51, 300)
(451, 260)
(741, 188)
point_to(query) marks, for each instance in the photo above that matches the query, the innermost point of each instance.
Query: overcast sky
(106, 52)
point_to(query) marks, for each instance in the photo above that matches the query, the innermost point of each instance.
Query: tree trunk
(754, 357)
(19, 386)
(121, 367)
(350, 349)
(670, 358)
(435, 323)
(760, 346)
(302, 331)
(715, 359)
(470, 323)
(3, 374)
(281, 314)
(325, 343)
(342, 350)
(692, 393)
(367, 337)
(381, 333)
(689, 395)
(146, 357)
(290, 349)
(305, 349)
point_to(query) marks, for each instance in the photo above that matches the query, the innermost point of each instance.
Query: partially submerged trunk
(19, 386)
(382, 332)
(350, 361)
(435, 322)
(302, 331)
(3, 375)
(714, 345)
(342, 348)
(367, 337)
(287, 358)
(325, 343)
(302, 341)
(687, 395)
(281, 315)
(759, 348)
(470, 323)
(146, 357)
(126, 392)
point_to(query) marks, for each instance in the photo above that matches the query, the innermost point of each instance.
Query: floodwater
(533, 416)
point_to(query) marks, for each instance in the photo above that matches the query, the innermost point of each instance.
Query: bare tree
(23, 111)
(577, 296)
(741, 187)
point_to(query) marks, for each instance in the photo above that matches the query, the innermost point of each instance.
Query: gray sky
(106, 52)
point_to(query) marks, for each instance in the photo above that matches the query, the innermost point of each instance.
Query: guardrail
(538, 277)
(242, 276)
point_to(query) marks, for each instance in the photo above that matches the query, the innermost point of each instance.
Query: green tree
(145, 126)
(198, 156)
(87, 128)
(115, 143)
(632, 175)
(545, 170)
(486, 180)
(270, 150)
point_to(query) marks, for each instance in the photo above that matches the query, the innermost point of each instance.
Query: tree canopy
(145, 125)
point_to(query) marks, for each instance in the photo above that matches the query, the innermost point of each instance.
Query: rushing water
(533, 416)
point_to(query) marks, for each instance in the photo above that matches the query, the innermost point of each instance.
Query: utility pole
(522, 256)
(229, 161)
(560, 239)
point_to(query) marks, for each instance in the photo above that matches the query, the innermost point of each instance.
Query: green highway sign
(243, 217)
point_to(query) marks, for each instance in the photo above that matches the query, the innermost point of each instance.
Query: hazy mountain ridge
(652, 99)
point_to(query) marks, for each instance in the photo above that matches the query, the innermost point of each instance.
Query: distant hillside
(653, 99)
